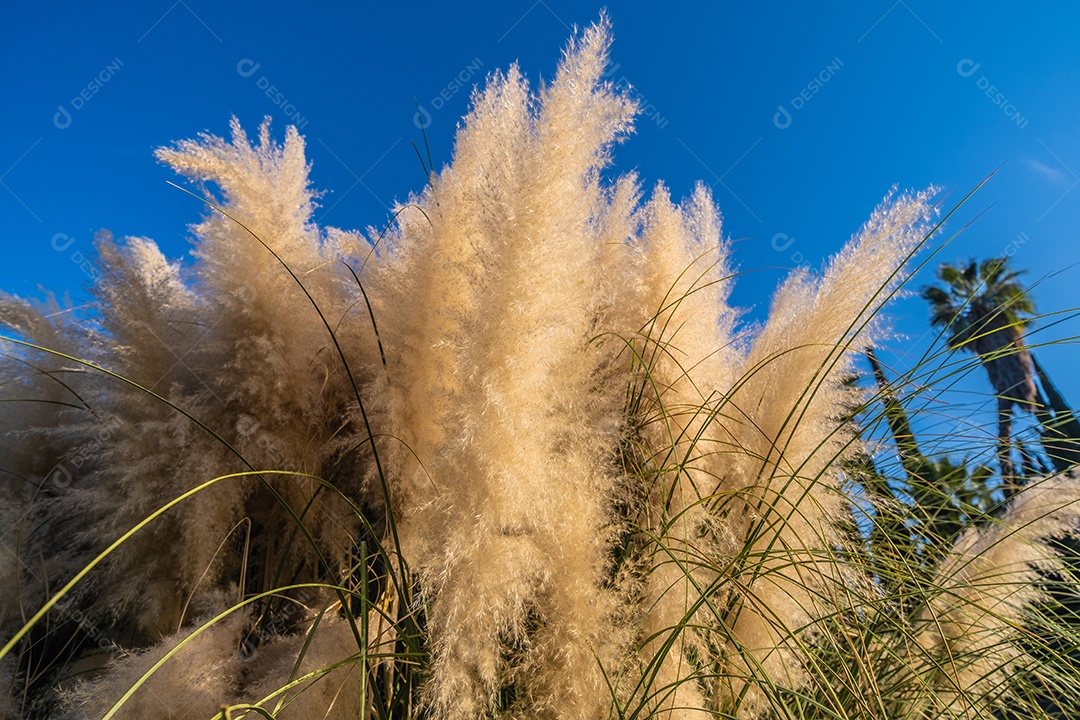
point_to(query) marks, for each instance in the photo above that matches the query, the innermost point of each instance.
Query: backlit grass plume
(514, 456)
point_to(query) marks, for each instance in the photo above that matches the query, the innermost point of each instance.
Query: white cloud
(1050, 173)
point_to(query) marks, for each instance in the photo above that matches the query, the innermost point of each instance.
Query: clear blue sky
(800, 115)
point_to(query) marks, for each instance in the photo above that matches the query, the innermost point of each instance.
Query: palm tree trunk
(1007, 362)
(1009, 481)
(912, 459)
(1060, 428)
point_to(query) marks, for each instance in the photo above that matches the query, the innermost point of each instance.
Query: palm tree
(984, 309)
(941, 497)
(1060, 427)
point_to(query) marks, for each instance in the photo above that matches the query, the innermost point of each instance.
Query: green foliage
(1060, 430)
(976, 295)
(919, 515)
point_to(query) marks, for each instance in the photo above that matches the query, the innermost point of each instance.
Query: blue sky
(800, 116)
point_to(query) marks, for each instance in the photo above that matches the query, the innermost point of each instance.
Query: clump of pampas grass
(515, 456)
